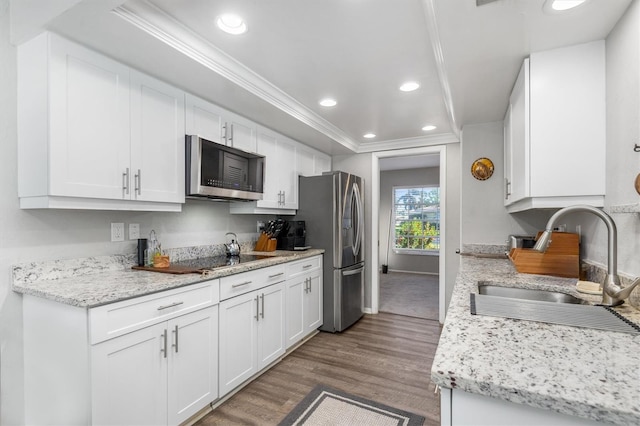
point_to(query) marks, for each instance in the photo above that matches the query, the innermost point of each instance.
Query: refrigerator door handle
(353, 271)
(359, 220)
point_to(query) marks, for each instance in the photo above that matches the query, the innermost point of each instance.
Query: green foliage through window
(417, 218)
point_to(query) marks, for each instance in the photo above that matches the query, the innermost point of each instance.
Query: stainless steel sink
(529, 294)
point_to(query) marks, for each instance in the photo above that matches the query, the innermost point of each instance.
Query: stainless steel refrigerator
(332, 208)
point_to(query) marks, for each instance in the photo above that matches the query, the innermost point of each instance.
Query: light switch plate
(134, 231)
(117, 232)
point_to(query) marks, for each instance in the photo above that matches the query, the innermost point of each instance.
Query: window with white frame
(416, 213)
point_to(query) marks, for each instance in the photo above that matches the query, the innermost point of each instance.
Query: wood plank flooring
(385, 358)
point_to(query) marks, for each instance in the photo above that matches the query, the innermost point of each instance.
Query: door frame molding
(375, 218)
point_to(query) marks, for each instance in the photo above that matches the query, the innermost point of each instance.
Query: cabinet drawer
(245, 282)
(304, 265)
(116, 319)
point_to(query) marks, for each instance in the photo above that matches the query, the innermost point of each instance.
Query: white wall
(484, 218)
(407, 177)
(35, 235)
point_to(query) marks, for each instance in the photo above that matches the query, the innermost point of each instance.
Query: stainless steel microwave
(218, 171)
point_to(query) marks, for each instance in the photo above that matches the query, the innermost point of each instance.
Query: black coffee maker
(292, 236)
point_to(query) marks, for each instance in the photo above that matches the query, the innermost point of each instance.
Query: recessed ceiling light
(429, 127)
(231, 23)
(369, 135)
(561, 5)
(328, 102)
(409, 86)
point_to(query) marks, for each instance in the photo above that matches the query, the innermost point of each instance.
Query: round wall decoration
(482, 168)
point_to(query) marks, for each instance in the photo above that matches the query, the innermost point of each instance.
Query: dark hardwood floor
(386, 358)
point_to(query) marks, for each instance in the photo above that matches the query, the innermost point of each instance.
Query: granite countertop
(577, 371)
(96, 281)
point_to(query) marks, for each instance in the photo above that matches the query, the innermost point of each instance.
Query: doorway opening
(423, 293)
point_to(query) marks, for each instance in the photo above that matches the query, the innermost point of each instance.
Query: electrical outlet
(117, 232)
(134, 231)
(259, 226)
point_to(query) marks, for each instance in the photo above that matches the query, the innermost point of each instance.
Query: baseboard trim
(414, 272)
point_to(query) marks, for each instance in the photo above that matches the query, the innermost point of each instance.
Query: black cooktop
(206, 263)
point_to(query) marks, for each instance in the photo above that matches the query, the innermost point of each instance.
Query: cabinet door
(241, 133)
(204, 119)
(193, 363)
(305, 162)
(519, 136)
(322, 163)
(157, 140)
(271, 344)
(508, 176)
(238, 334)
(295, 293)
(313, 303)
(129, 379)
(88, 123)
(267, 146)
(287, 176)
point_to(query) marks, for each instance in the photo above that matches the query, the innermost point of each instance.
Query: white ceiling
(358, 51)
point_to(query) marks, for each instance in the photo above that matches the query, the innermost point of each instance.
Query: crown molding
(436, 45)
(166, 29)
(421, 141)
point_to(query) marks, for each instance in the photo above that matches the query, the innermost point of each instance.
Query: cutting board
(171, 269)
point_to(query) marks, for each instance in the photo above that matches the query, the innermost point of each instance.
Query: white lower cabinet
(251, 334)
(304, 299)
(459, 408)
(162, 374)
(148, 360)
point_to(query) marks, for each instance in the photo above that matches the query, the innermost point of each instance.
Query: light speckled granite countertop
(577, 371)
(96, 281)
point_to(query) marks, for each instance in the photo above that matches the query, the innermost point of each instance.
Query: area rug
(326, 406)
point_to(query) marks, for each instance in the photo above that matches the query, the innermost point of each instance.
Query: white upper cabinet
(219, 125)
(286, 159)
(281, 180)
(555, 130)
(310, 162)
(240, 133)
(204, 119)
(157, 140)
(89, 137)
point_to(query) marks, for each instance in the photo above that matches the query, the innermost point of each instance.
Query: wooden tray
(171, 269)
(562, 258)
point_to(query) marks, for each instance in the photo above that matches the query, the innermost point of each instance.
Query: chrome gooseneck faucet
(612, 293)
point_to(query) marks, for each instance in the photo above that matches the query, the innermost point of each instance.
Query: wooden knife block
(562, 258)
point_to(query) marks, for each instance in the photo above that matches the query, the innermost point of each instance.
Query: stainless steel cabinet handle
(231, 138)
(169, 306)
(507, 188)
(262, 298)
(225, 133)
(240, 284)
(175, 331)
(257, 317)
(284, 198)
(163, 349)
(138, 182)
(125, 182)
(307, 266)
(276, 275)
(354, 272)
(306, 285)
